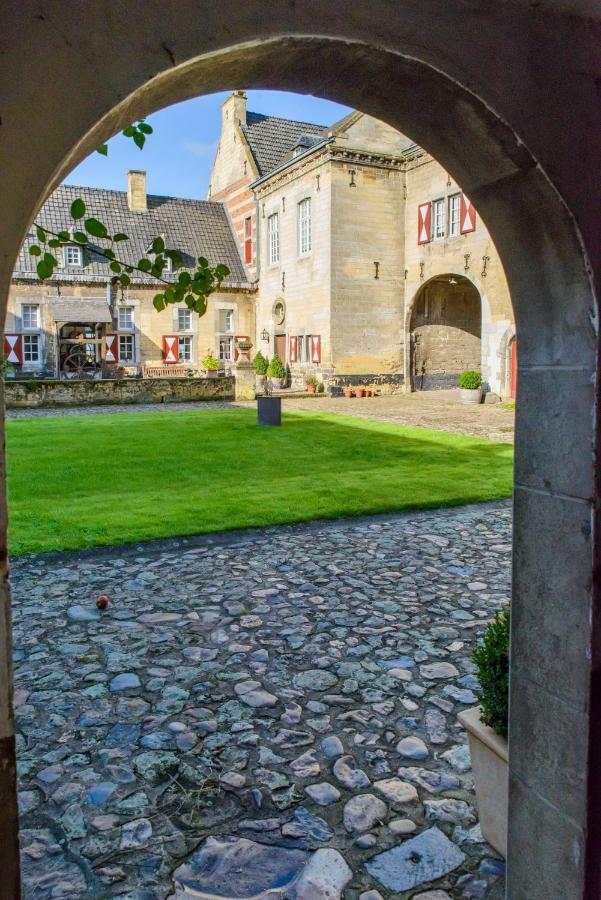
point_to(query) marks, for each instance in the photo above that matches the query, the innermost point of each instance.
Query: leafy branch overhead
(136, 132)
(191, 288)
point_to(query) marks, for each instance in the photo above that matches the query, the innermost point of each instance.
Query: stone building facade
(78, 325)
(372, 266)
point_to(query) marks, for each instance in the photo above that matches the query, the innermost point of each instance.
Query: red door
(514, 368)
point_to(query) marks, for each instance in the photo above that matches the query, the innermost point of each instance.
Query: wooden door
(514, 368)
(280, 346)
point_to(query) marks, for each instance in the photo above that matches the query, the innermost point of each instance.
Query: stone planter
(211, 373)
(269, 411)
(471, 397)
(277, 383)
(489, 766)
(260, 382)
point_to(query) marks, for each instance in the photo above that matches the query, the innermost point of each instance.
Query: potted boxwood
(486, 726)
(211, 365)
(348, 391)
(470, 383)
(260, 365)
(312, 383)
(276, 373)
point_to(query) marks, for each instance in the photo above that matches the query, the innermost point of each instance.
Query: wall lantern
(377, 268)
(352, 173)
(265, 336)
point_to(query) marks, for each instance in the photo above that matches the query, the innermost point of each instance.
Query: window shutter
(170, 348)
(467, 216)
(424, 223)
(13, 349)
(315, 348)
(111, 348)
(293, 349)
(248, 240)
(239, 337)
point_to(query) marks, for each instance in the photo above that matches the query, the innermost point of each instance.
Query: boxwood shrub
(470, 380)
(492, 668)
(260, 364)
(276, 369)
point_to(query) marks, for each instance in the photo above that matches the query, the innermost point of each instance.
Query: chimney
(233, 110)
(136, 191)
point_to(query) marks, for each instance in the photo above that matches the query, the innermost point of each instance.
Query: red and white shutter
(248, 240)
(424, 222)
(293, 356)
(240, 337)
(467, 215)
(111, 348)
(13, 349)
(170, 348)
(315, 348)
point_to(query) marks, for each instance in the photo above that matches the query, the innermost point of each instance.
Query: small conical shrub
(492, 668)
(276, 369)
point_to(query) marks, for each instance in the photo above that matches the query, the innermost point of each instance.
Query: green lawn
(110, 479)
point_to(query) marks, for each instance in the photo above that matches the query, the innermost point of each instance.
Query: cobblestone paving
(265, 709)
(440, 410)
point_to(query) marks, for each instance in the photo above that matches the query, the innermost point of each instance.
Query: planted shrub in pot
(470, 383)
(486, 726)
(211, 365)
(260, 365)
(276, 373)
(312, 384)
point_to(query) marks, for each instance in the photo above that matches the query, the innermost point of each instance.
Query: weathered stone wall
(119, 391)
(149, 325)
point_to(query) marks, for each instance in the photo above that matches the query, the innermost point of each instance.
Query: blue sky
(179, 155)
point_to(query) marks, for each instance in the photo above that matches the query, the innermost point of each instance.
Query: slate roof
(194, 227)
(272, 139)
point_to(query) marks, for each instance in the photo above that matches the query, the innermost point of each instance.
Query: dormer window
(297, 151)
(73, 257)
(168, 265)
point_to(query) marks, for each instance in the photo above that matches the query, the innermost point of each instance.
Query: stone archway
(504, 125)
(445, 332)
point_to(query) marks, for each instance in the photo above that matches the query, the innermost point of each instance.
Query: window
(127, 348)
(226, 348)
(248, 240)
(454, 206)
(273, 239)
(73, 256)
(438, 223)
(31, 348)
(226, 320)
(168, 267)
(126, 318)
(297, 151)
(304, 226)
(184, 320)
(30, 315)
(301, 348)
(185, 346)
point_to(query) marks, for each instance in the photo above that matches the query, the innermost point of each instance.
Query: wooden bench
(165, 371)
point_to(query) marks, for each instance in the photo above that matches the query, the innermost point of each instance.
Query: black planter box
(270, 410)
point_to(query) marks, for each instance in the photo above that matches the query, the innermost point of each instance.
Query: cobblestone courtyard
(256, 710)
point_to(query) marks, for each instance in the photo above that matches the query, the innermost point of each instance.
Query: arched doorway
(445, 332)
(497, 122)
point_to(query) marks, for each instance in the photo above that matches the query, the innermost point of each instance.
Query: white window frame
(32, 338)
(72, 249)
(125, 337)
(438, 219)
(187, 356)
(231, 313)
(304, 227)
(30, 306)
(273, 239)
(454, 214)
(229, 339)
(130, 325)
(184, 315)
(168, 267)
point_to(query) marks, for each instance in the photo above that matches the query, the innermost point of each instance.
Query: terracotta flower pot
(348, 392)
(359, 392)
(311, 389)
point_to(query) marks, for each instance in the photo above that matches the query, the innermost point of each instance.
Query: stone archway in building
(498, 123)
(445, 332)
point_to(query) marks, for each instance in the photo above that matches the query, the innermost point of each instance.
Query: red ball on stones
(102, 602)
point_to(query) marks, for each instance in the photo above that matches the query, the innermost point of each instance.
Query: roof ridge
(283, 119)
(123, 193)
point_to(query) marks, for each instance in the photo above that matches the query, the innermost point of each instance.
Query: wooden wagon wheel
(79, 363)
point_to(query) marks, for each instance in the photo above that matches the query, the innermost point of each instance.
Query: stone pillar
(9, 823)
(244, 372)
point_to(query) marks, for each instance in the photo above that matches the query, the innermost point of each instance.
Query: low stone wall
(383, 384)
(36, 393)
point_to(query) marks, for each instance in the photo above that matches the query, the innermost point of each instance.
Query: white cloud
(196, 148)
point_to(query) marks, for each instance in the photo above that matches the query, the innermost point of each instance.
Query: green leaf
(175, 257)
(144, 127)
(120, 237)
(159, 302)
(54, 243)
(179, 293)
(221, 271)
(50, 259)
(103, 149)
(34, 250)
(169, 295)
(115, 267)
(144, 264)
(203, 263)
(80, 237)
(44, 269)
(129, 269)
(129, 131)
(108, 253)
(41, 235)
(78, 209)
(184, 278)
(125, 280)
(64, 235)
(139, 139)
(95, 228)
(158, 245)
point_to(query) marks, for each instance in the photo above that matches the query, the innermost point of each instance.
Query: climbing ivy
(193, 289)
